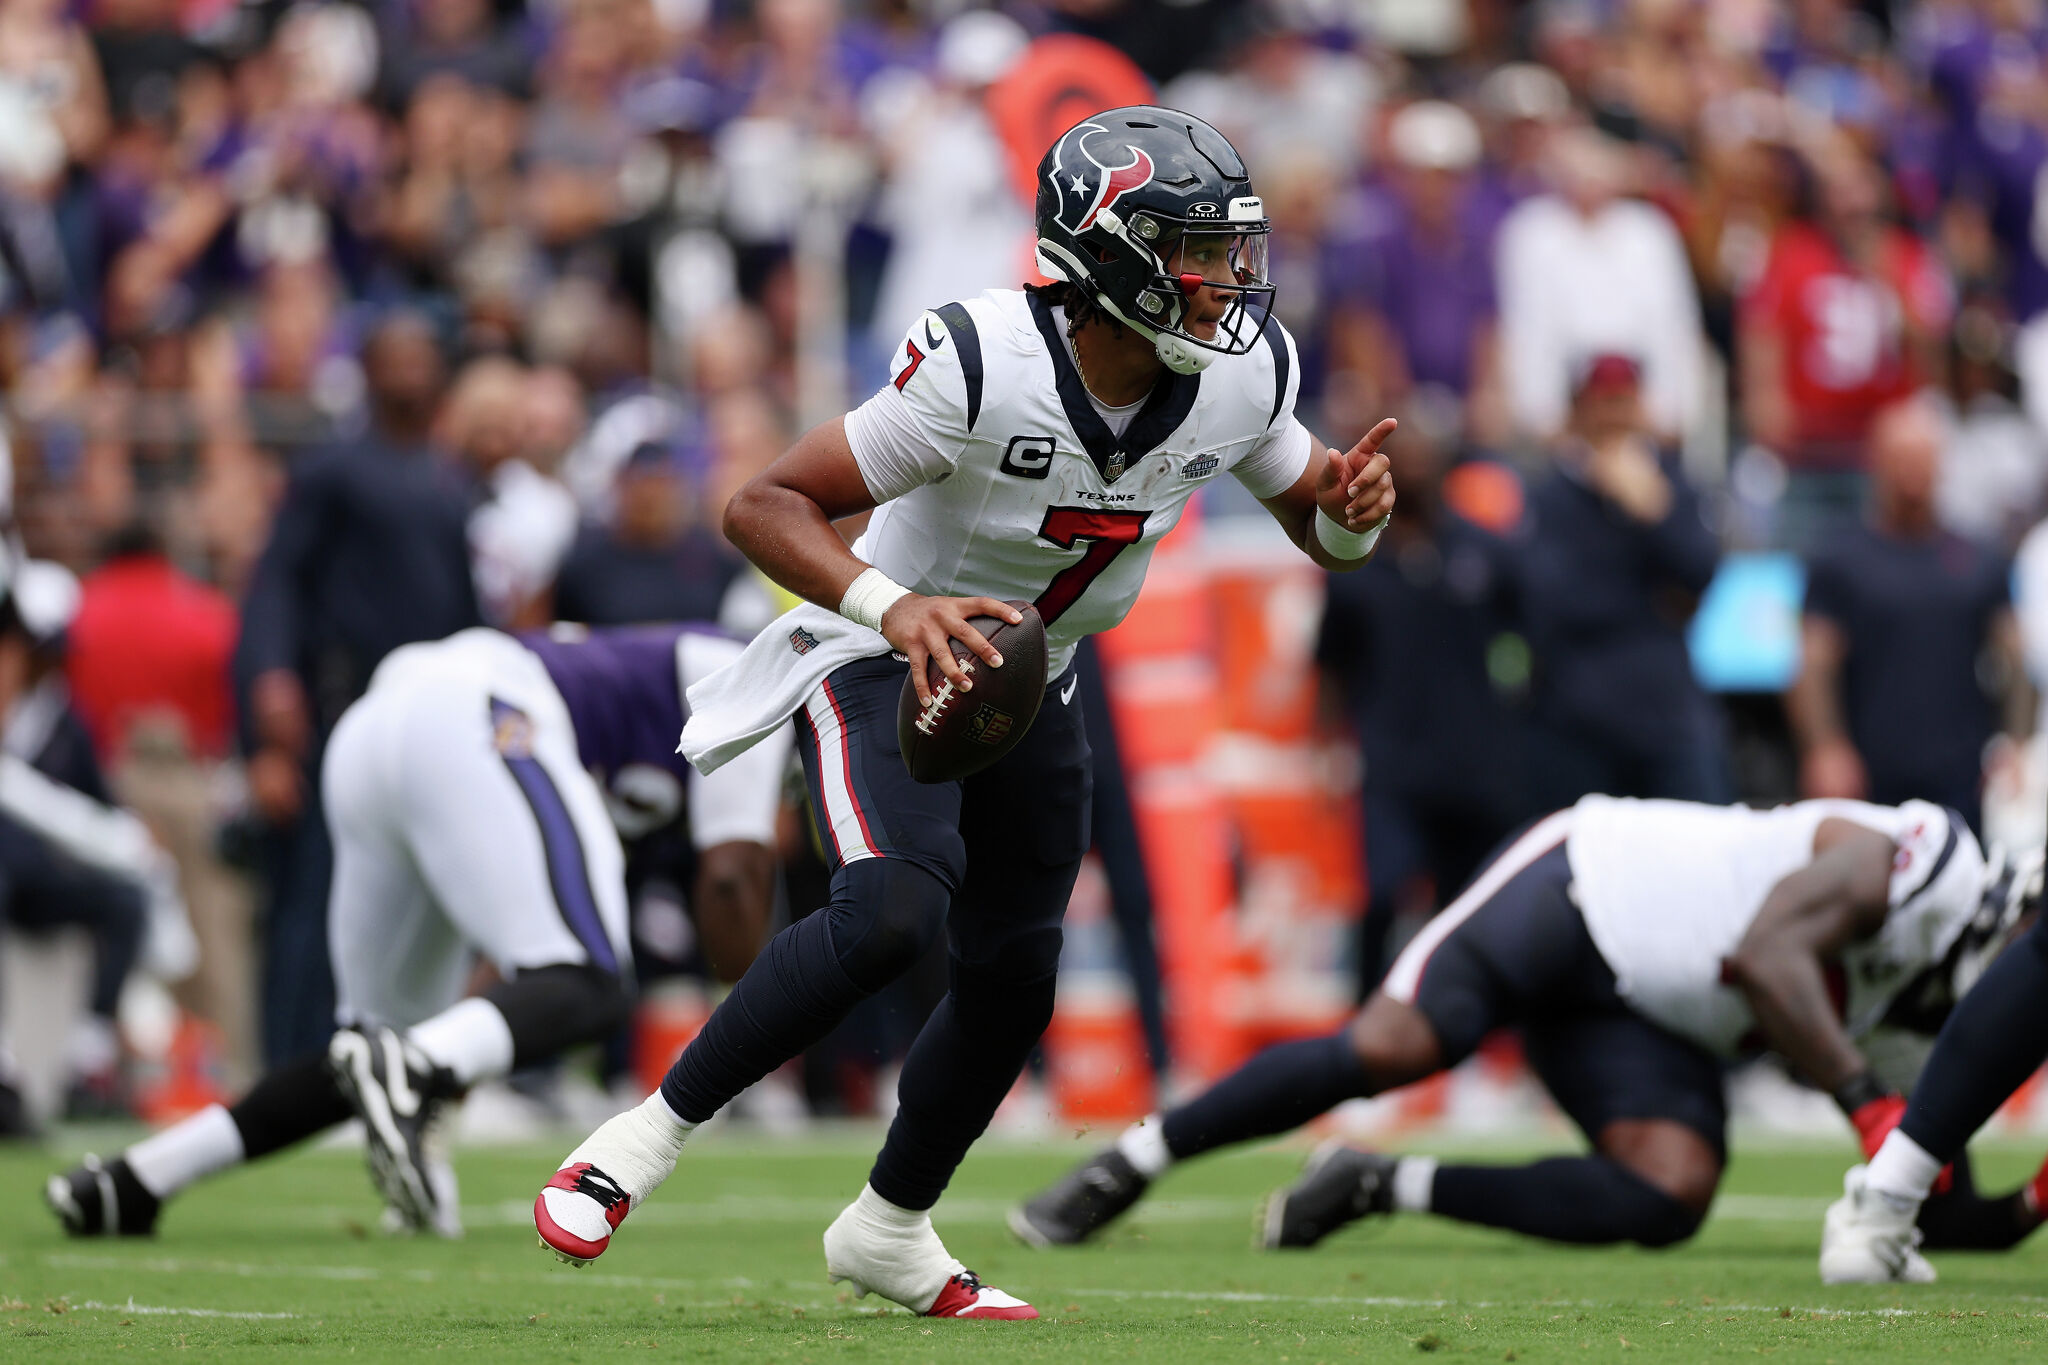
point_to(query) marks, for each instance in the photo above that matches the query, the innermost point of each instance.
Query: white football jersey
(1021, 489)
(1669, 888)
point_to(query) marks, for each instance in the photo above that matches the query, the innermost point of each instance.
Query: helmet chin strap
(1174, 352)
(1178, 356)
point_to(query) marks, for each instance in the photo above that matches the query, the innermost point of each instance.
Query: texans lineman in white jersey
(476, 794)
(1639, 945)
(1036, 445)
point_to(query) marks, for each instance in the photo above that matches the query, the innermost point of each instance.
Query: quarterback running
(1033, 445)
(476, 794)
(1639, 945)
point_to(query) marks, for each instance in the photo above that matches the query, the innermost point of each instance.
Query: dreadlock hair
(1079, 303)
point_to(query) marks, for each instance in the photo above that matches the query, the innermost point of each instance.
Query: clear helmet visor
(1223, 286)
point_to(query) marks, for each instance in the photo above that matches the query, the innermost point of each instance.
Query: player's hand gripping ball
(957, 734)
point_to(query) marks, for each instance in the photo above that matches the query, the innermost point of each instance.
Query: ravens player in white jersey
(1035, 445)
(477, 795)
(1639, 945)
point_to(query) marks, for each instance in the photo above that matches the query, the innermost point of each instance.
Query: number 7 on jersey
(1107, 535)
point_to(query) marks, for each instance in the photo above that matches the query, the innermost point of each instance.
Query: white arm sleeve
(891, 447)
(1276, 461)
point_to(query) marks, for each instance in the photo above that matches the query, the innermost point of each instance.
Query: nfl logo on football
(989, 726)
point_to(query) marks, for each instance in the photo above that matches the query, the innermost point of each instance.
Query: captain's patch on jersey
(1028, 457)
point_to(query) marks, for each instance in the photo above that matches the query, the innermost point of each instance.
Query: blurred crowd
(329, 326)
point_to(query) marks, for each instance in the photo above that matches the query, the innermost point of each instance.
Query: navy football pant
(1993, 1041)
(990, 861)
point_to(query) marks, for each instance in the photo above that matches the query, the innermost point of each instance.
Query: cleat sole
(564, 1257)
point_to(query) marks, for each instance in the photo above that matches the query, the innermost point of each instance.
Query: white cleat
(605, 1179)
(877, 1248)
(1868, 1239)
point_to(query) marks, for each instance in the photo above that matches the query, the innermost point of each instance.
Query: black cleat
(1340, 1185)
(102, 1200)
(1086, 1200)
(398, 1094)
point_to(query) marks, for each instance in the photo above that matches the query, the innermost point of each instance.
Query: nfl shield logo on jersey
(802, 641)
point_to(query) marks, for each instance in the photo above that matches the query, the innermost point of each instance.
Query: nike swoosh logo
(1067, 692)
(931, 339)
(404, 1099)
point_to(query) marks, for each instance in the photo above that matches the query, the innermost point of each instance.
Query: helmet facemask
(1178, 261)
(1210, 286)
(1151, 213)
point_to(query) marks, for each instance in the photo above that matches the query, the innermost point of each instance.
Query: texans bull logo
(1087, 184)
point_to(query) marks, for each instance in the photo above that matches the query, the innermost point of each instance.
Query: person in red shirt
(149, 671)
(150, 643)
(1841, 323)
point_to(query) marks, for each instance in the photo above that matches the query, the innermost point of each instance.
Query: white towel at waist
(746, 700)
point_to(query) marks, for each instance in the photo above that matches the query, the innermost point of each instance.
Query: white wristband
(1343, 544)
(869, 596)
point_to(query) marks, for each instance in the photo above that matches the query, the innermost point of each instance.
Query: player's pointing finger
(1370, 443)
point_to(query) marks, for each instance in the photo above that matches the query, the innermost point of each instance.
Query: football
(957, 734)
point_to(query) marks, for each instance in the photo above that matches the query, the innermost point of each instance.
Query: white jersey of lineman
(465, 822)
(996, 475)
(1669, 888)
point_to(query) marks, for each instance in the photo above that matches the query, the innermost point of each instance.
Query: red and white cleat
(965, 1296)
(605, 1179)
(577, 1212)
(876, 1247)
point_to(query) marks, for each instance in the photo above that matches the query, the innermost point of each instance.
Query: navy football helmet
(1145, 209)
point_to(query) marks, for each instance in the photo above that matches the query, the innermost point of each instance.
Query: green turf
(724, 1265)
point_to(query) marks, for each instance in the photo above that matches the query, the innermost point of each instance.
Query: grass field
(724, 1265)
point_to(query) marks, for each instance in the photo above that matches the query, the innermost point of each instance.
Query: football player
(476, 794)
(1639, 945)
(1996, 1038)
(1033, 444)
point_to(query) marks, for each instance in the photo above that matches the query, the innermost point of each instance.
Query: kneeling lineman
(1638, 945)
(463, 792)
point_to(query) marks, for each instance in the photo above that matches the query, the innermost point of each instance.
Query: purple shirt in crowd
(1434, 290)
